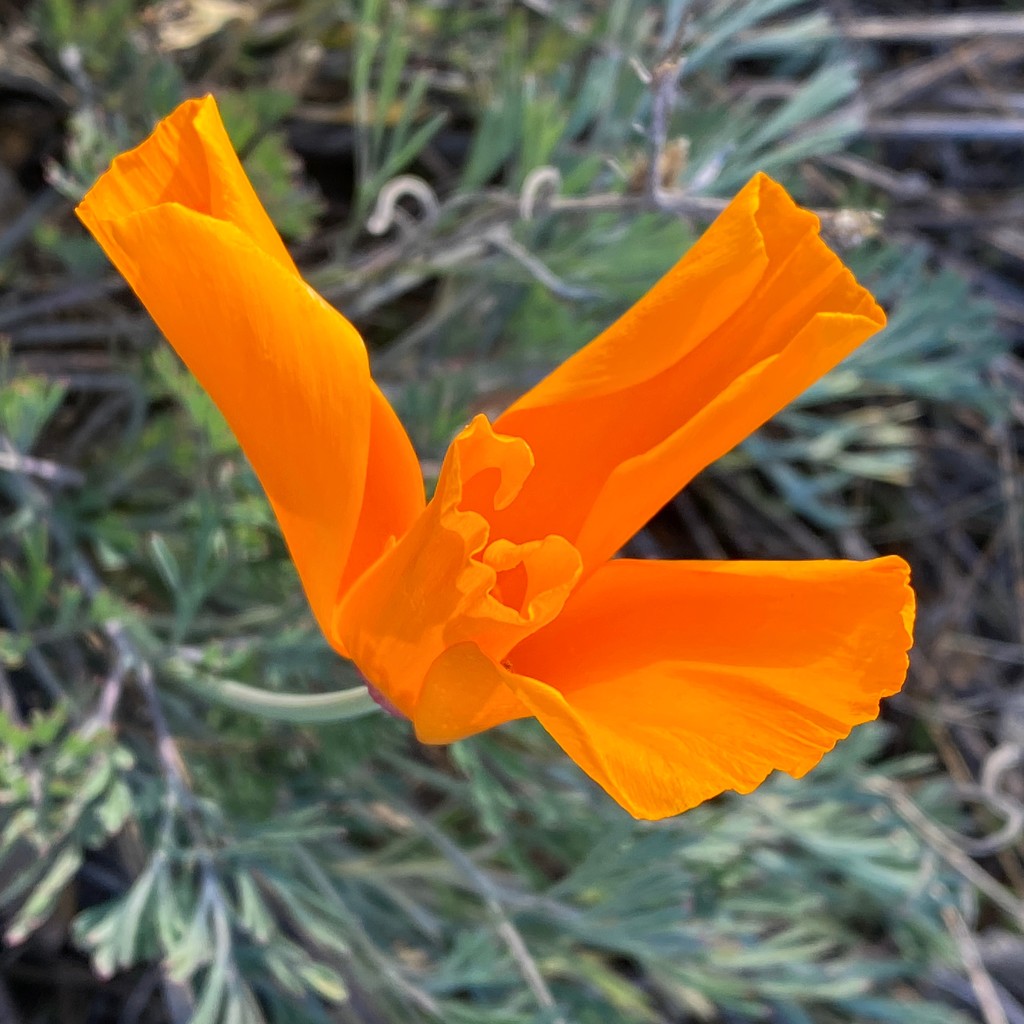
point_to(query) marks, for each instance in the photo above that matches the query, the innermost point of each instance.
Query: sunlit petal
(750, 317)
(669, 682)
(181, 222)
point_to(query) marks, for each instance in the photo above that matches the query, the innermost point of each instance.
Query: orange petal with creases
(754, 313)
(179, 219)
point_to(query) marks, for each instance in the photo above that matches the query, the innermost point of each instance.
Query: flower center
(447, 582)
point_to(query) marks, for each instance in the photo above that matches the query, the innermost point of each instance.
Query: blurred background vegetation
(481, 186)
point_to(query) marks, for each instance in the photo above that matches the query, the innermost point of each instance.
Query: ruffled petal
(446, 582)
(755, 312)
(179, 219)
(670, 682)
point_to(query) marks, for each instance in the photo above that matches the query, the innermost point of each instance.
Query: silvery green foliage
(268, 872)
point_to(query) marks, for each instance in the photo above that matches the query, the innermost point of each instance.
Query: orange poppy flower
(667, 682)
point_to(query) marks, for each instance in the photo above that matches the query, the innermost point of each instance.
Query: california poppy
(666, 681)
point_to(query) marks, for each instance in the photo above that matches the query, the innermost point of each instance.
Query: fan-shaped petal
(670, 682)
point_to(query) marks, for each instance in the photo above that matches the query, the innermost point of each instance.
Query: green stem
(300, 708)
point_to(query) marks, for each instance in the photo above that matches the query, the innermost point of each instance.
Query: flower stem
(299, 708)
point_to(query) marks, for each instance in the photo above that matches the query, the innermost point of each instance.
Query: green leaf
(117, 806)
(213, 993)
(253, 914)
(167, 564)
(326, 982)
(45, 893)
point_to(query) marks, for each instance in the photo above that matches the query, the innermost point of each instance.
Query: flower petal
(179, 219)
(670, 682)
(393, 493)
(464, 693)
(188, 160)
(288, 373)
(445, 582)
(750, 317)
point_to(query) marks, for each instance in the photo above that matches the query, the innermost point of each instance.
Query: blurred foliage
(263, 871)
